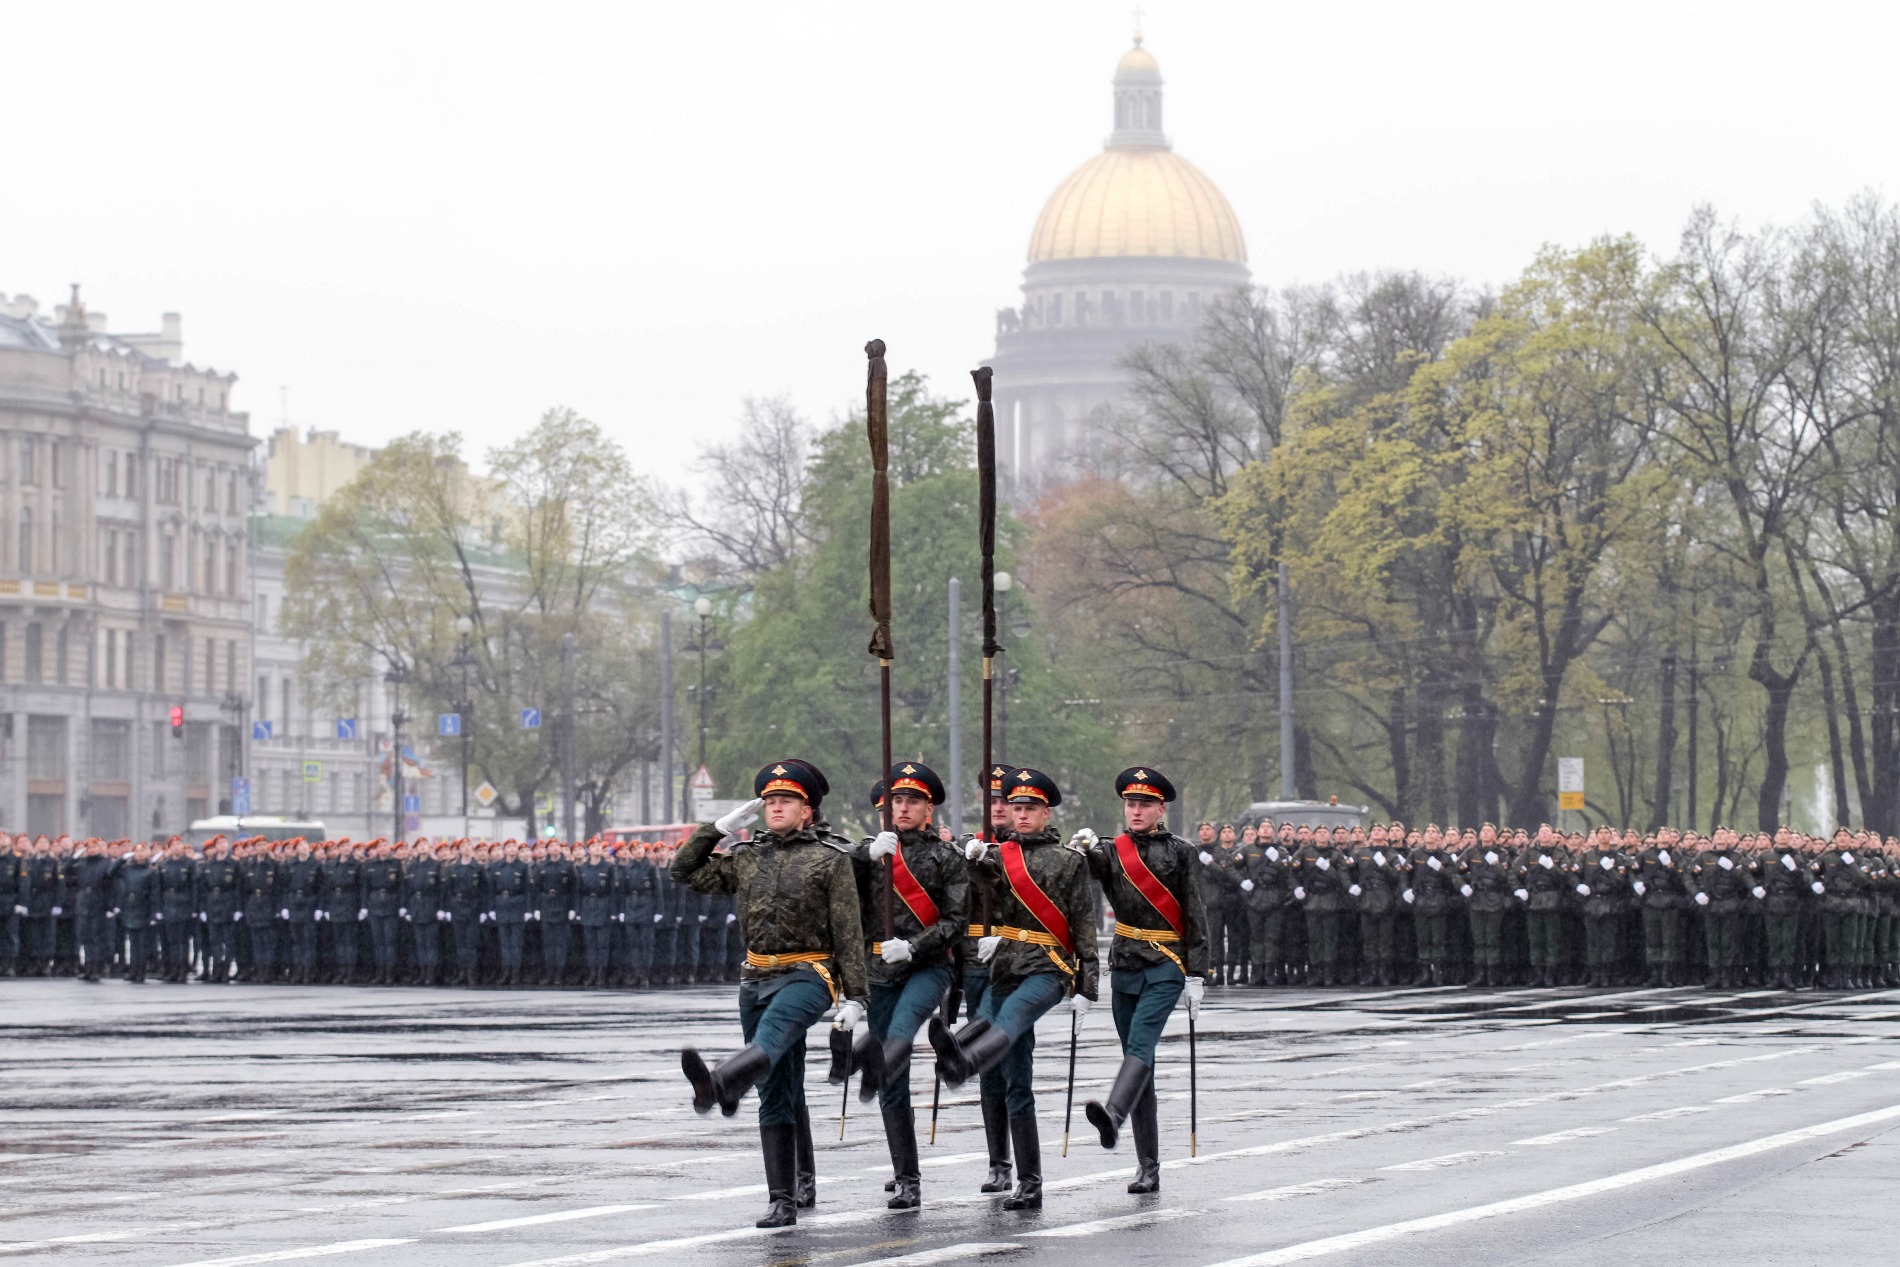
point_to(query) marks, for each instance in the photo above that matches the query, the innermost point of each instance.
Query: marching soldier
(974, 977)
(1226, 873)
(1603, 882)
(422, 904)
(509, 892)
(910, 971)
(1151, 878)
(1268, 890)
(176, 911)
(465, 899)
(1486, 887)
(1207, 840)
(554, 912)
(1041, 949)
(1723, 882)
(302, 897)
(1542, 874)
(1782, 888)
(1377, 868)
(1434, 880)
(1659, 886)
(218, 912)
(798, 909)
(596, 885)
(1319, 885)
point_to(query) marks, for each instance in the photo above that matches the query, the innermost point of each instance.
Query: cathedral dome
(1137, 200)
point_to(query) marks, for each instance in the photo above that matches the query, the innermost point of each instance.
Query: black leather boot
(891, 1062)
(805, 1191)
(780, 1145)
(1147, 1132)
(1028, 1194)
(996, 1132)
(727, 1084)
(1130, 1081)
(951, 1060)
(900, 1132)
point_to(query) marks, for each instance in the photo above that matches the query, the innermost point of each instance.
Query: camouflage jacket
(940, 869)
(796, 894)
(1487, 869)
(1727, 886)
(1063, 875)
(1175, 863)
(1548, 885)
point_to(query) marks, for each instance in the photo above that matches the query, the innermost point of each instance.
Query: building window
(112, 556)
(211, 490)
(111, 750)
(230, 494)
(1137, 306)
(231, 667)
(1167, 306)
(1055, 310)
(112, 659)
(55, 453)
(35, 648)
(112, 473)
(161, 738)
(1081, 308)
(284, 696)
(29, 459)
(59, 657)
(46, 747)
(3, 650)
(168, 561)
(131, 570)
(210, 577)
(184, 662)
(231, 566)
(131, 476)
(158, 663)
(26, 541)
(211, 664)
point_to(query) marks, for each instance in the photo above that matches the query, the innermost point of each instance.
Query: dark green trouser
(1376, 933)
(1722, 932)
(1886, 939)
(1487, 938)
(1322, 935)
(1783, 935)
(1838, 934)
(1599, 933)
(1546, 937)
(1662, 936)
(1863, 940)
(1266, 948)
(1431, 936)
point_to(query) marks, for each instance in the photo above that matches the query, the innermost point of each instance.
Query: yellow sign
(1569, 800)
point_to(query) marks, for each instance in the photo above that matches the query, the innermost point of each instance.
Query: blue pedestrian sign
(531, 719)
(260, 731)
(449, 724)
(346, 728)
(412, 804)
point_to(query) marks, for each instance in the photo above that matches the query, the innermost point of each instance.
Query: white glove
(1584, 889)
(403, 912)
(702, 919)
(850, 1012)
(731, 918)
(1701, 899)
(1273, 853)
(1079, 1006)
(1847, 857)
(534, 917)
(19, 910)
(1353, 889)
(1465, 889)
(1662, 856)
(1640, 888)
(975, 850)
(658, 919)
(1409, 896)
(1522, 895)
(620, 917)
(1084, 840)
(1246, 886)
(883, 845)
(1759, 892)
(237, 917)
(1299, 893)
(1323, 863)
(1434, 863)
(114, 913)
(203, 918)
(1543, 860)
(1818, 887)
(1787, 860)
(1207, 859)
(986, 948)
(158, 917)
(1196, 990)
(1606, 862)
(1378, 857)
(1724, 863)
(362, 912)
(441, 917)
(492, 919)
(1491, 857)
(733, 820)
(58, 911)
(284, 913)
(482, 918)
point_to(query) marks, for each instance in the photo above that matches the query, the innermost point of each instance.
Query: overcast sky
(435, 216)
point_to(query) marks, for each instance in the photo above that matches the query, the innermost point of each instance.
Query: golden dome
(1138, 58)
(1129, 201)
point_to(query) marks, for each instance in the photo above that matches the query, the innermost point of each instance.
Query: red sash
(1148, 883)
(1030, 894)
(905, 882)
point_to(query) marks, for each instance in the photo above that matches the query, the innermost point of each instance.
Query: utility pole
(666, 715)
(567, 737)
(955, 799)
(464, 660)
(1284, 597)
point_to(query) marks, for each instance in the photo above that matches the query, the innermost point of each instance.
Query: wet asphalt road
(179, 1125)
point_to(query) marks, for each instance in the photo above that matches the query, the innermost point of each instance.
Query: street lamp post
(702, 607)
(464, 660)
(237, 706)
(396, 676)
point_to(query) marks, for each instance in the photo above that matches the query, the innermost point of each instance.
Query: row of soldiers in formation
(1489, 906)
(416, 912)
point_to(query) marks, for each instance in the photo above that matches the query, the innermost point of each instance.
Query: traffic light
(178, 721)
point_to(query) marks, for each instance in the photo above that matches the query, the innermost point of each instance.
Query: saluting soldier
(1433, 883)
(95, 876)
(1041, 949)
(798, 914)
(1841, 882)
(1782, 888)
(12, 861)
(137, 903)
(1151, 877)
(911, 970)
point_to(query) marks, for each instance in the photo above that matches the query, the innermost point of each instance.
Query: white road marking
(1828, 1079)
(1291, 1191)
(706, 1238)
(1564, 1137)
(748, 1190)
(1120, 1223)
(559, 1216)
(1553, 1196)
(947, 1254)
(1663, 1115)
(95, 1238)
(1449, 1159)
(1749, 1097)
(307, 1251)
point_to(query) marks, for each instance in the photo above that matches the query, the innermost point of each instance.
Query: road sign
(486, 795)
(544, 804)
(313, 772)
(701, 783)
(1569, 782)
(240, 795)
(412, 804)
(531, 719)
(449, 724)
(346, 728)
(260, 731)
(410, 822)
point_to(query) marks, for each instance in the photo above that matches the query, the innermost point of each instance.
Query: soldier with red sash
(1041, 949)
(797, 902)
(911, 970)
(976, 987)
(1160, 950)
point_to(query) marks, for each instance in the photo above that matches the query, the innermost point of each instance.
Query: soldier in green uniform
(911, 970)
(975, 979)
(1041, 948)
(1841, 884)
(1722, 881)
(1319, 885)
(1268, 890)
(1658, 884)
(1485, 870)
(1542, 874)
(1377, 869)
(1781, 885)
(1151, 878)
(798, 913)
(1603, 882)
(1432, 869)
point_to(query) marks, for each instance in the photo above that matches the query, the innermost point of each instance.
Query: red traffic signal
(178, 721)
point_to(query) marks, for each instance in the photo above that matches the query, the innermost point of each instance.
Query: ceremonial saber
(1068, 1109)
(1194, 1098)
(986, 520)
(877, 427)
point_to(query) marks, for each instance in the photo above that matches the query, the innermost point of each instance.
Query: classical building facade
(125, 482)
(1130, 249)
